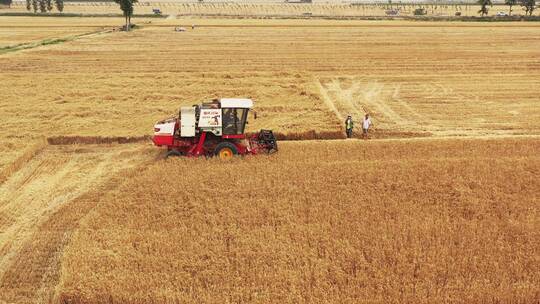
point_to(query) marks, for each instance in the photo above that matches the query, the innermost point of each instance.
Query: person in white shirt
(365, 126)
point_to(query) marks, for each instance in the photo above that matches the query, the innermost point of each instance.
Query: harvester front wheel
(225, 150)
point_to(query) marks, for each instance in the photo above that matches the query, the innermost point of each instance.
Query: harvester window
(234, 121)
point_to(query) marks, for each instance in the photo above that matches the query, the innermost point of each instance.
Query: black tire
(173, 152)
(225, 150)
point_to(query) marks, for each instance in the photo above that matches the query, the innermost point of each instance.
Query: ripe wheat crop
(91, 212)
(419, 221)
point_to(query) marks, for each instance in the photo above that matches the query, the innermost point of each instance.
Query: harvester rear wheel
(225, 150)
(173, 152)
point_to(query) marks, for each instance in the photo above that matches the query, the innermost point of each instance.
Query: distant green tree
(59, 5)
(42, 6)
(483, 7)
(6, 2)
(510, 3)
(127, 8)
(528, 6)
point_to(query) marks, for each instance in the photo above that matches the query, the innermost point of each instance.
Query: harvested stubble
(22, 160)
(415, 221)
(38, 211)
(86, 140)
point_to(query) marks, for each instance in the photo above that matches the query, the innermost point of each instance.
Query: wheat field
(441, 205)
(463, 79)
(408, 221)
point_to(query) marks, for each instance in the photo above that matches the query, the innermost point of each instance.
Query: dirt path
(50, 181)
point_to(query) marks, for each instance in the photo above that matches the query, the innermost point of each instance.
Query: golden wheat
(21, 161)
(345, 222)
(401, 220)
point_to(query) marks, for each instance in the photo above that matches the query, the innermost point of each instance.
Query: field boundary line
(95, 140)
(425, 136)
(457, 19)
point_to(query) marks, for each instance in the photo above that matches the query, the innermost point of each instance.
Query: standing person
(349, 125)
(365, 126)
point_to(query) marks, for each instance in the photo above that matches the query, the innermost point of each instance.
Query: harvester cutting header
(213, 128)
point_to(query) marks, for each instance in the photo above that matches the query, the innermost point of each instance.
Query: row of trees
(47, 5)
(528, 5)
(44, 5)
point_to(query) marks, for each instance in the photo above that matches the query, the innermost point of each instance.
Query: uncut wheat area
(441, 205)
(389, 221)
(344, 222)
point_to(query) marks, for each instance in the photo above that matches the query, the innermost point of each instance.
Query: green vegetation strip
(31, 45)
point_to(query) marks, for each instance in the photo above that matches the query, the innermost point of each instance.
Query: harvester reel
(267, 139)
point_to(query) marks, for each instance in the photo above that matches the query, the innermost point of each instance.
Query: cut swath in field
(50, 181)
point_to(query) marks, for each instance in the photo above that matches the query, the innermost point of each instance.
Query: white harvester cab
(226, 116)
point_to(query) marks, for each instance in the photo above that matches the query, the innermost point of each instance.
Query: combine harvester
(213, 128)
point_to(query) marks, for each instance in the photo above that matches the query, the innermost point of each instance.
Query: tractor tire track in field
(328, 101)
(356, 96)
(32, 195)
(392, 111)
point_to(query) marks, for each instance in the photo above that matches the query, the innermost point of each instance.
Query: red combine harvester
(213, 128)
